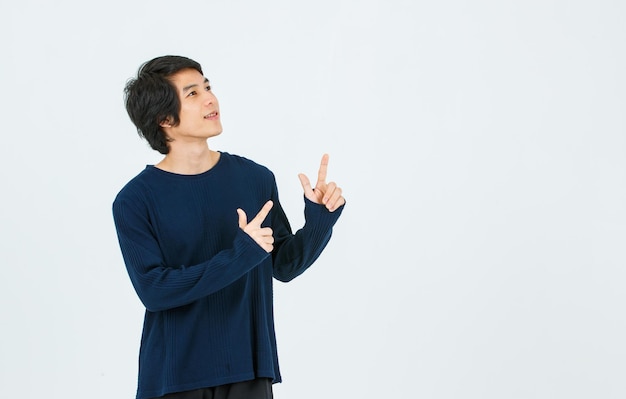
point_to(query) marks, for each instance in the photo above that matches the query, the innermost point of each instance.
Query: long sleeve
(161, 286)
(294, 253)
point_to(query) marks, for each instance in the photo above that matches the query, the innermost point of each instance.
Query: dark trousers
(261, 388)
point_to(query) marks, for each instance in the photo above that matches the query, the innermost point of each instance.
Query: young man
(202, 234)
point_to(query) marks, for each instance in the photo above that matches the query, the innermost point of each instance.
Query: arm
(323, 206)
(161, 286)
(294, 253)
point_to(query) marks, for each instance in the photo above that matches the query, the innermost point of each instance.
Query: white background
(481, 146)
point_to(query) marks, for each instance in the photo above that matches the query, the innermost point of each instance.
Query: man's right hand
(262, 235)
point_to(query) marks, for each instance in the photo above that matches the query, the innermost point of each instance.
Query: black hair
(151, 98)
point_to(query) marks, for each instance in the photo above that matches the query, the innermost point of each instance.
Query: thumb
(243, 219)
(306, 185)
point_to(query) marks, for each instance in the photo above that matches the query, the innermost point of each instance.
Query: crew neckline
(184, 176)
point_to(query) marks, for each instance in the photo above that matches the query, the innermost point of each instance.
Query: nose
(210, 98)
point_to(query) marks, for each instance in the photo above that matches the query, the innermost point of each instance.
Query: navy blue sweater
(207, 285)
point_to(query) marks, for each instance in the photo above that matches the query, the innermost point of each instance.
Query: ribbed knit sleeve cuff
(246, 244)
(319, 215)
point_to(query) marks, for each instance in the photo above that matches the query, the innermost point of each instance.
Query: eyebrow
(191, 86)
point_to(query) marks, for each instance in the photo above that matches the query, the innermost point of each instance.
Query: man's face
(199, 109)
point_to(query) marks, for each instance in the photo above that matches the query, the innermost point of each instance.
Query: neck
(189, 160)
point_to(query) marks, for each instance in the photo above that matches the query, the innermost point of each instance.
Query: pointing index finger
(321, 175)
(260, 217)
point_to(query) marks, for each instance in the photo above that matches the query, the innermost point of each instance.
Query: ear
(167, 122)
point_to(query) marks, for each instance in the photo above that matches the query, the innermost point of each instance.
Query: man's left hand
(328, 194)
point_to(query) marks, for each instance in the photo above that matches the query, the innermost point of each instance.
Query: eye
(208, 88)
(192, 93)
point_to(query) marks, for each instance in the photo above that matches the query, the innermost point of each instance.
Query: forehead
(186, 78)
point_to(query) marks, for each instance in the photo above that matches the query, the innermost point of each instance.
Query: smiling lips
(212, 115)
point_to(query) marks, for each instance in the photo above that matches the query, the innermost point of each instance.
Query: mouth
(212, 115)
